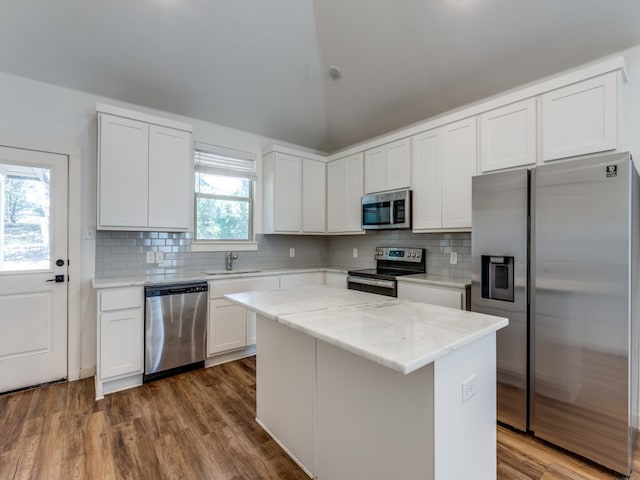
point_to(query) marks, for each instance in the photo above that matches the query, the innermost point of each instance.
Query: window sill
(223, 246)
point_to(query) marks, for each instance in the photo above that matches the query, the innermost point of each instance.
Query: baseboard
(230, 356)
(87, 372)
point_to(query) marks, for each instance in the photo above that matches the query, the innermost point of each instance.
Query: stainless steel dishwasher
(175, 328)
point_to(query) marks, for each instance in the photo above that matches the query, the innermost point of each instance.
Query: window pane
(221, 185)
(25, 214)
(222, 219)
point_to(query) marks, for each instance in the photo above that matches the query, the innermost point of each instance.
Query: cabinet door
(122, 172)
(508, 136)
(459, 165)
(427, 180)
(398, 164)
(288, 194)
(226, 328)
(374, 170)
(336, 202)
(170, 178)
(121, 342)
(354, 189)
(580, 119)
(445, 297)
(313, 196)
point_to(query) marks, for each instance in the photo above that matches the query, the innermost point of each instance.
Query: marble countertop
(398, 334)
(114, 282)
(203, 276)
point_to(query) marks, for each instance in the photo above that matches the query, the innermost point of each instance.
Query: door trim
(74, 241)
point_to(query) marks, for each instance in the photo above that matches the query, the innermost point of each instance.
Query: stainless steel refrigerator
(555, 249)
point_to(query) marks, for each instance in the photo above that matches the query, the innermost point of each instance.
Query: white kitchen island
(360, 386)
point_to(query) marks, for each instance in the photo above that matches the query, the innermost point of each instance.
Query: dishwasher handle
(175, 289)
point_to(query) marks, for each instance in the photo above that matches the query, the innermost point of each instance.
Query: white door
(33, 252)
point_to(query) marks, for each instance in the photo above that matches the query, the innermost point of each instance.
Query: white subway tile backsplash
(124, 253)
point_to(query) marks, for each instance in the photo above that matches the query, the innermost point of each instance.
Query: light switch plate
(355, 253)
(453, 258)
(159, 257)
(292, 252)
(151, 257)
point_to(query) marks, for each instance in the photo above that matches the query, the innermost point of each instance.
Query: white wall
(37, 111)
(41, 112)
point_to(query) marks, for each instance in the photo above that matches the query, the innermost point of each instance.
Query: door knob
(57, 279)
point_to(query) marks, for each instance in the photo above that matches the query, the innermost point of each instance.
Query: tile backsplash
(123, 254)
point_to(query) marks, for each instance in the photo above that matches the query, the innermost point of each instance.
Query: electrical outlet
(355, 253)
(159, 257)
(292, 252)
(151, 257)
(468, 388)
(453, 258)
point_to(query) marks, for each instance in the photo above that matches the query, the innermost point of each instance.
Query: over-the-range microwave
(386, 210)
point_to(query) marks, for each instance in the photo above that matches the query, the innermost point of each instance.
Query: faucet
(231, 256)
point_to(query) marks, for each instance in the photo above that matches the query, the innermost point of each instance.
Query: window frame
(212, 245)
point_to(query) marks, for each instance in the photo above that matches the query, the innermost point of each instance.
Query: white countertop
(115, 282)
(398, 334)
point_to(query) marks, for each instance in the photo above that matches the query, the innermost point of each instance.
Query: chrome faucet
(231, 256)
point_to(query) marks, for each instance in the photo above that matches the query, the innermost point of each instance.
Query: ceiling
(262, 65)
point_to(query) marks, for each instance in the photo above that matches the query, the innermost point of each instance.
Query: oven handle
(371, 281)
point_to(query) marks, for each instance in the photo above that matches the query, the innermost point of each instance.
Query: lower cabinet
(227, 327)
(120, 339)
(231, 327)
(451, 297)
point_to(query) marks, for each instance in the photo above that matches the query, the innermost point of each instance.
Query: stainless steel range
(391, 262)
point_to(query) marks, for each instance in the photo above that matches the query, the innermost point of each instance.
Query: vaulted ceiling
(262, 65)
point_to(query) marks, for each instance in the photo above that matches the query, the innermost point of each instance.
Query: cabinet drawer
(218, 289)
(120, 299)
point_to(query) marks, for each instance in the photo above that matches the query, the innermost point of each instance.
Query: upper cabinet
(387, 167)
(444, 160)
(294, 193)
(144, 172)
(458, 166)
(344, 190)
(580, 118)
(508, 136)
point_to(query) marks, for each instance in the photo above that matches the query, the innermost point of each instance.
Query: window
(224, 186)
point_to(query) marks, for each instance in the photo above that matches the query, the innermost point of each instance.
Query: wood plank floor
(198, 425)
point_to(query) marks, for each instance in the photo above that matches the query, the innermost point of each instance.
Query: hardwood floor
(198, 425)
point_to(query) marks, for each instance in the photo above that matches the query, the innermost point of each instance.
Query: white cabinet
(444, 160)
(459, 165)
(426, 155)
(230, 326)
(313, 196)
(170, 178)
(144, 173)
(120, 339)
(301, 279)
(451, 297)
(344, 191)
(294, 194)
(508, 136)
(388, 167)
(580, 118)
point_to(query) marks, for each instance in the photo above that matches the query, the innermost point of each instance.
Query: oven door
(373, 285)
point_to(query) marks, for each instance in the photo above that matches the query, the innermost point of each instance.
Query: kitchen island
(360, 386)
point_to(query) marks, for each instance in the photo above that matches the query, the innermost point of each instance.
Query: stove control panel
(399, 254)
